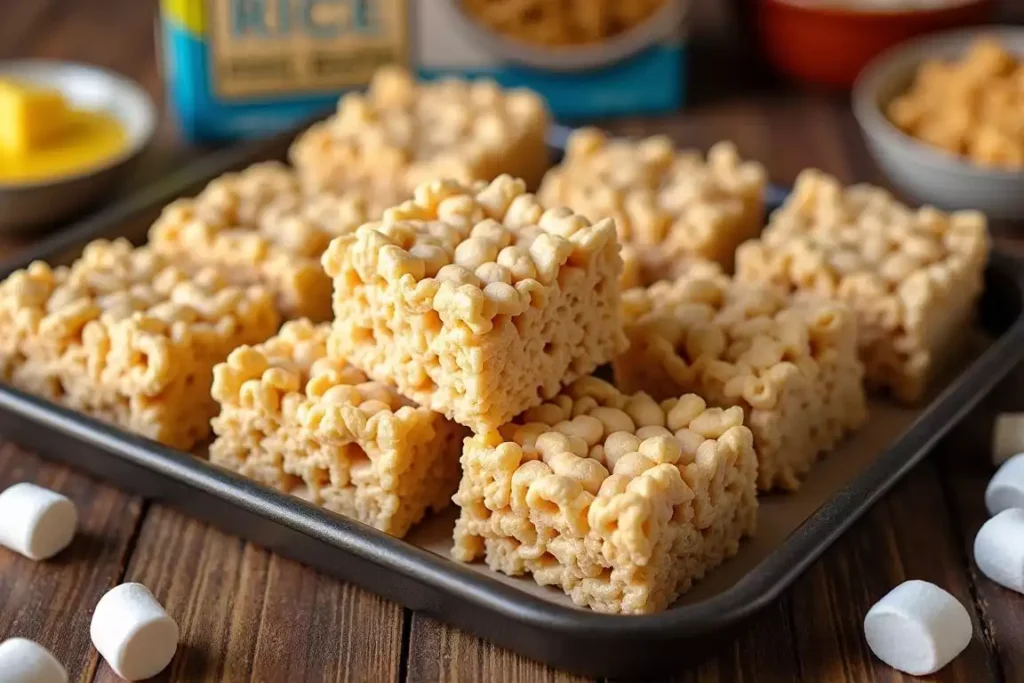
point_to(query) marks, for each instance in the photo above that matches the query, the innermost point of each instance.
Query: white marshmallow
(999, 549)
(917, 628)
(36, 522)
(25, 661)
(133, 632)
(1006, 490)
(1007, 437)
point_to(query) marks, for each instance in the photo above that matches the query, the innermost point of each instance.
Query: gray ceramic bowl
(45, 204)
(929, 174)
(664, 23)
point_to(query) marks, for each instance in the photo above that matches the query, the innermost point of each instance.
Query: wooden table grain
(247, 614)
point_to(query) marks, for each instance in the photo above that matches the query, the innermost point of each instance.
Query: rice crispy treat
(912, 277)
(296, 419)
(670, 206)
(475, 301)
(619, 500)
(125, 336)
(789, 362)
(258, 227)
(401, 133)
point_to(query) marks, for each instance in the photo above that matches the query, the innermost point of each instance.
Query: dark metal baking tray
(493, 607)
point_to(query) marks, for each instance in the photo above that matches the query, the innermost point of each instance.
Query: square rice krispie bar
(619, 500)
(475, 301)
(401, 133)
(259, 227)
(670, 206)
(294, 418)
(126, 336)
(912, 277)
(789, 362)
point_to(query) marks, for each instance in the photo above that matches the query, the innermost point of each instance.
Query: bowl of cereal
(828, 42)
(943, 116)
(568, 35)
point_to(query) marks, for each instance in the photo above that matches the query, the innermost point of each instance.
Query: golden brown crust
(619, 500)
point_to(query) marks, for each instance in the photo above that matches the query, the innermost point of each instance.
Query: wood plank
(22, 25)
(51, 602)
(966, 467)
(82, 30)
(763, 650)
(909, 535)
(439, 653)
(443, 654)
(247, 614)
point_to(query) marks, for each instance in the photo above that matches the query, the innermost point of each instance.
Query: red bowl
(830, 46)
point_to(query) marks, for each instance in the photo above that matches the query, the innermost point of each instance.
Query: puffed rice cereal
(790, 363)
(970, 107)
(124, 335)
(294, 418)
(401, 133)
(619, 500)
(670, 206)
(258, 227)
(912, 277)
(475, 301)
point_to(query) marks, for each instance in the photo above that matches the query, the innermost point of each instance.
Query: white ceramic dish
(45, 204)
(926, 173)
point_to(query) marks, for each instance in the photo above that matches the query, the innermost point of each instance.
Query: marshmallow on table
(917, 628)
(1006, 489)
(1007, 437)
(25, 661)
(133, 632)
(999, 549)
(36, 522)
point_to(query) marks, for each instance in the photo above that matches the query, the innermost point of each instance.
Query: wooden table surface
(248, 614)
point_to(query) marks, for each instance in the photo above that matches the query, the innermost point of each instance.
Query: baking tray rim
(759, 587)
(755, 590)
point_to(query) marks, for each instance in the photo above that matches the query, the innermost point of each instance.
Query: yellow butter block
(30, 116)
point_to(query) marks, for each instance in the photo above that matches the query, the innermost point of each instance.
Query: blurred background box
(241, 68)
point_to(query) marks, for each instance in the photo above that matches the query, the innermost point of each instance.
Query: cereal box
(237, 68)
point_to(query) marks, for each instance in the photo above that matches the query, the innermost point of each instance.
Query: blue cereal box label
(241, 68)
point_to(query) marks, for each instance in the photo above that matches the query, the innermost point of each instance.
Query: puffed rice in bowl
(918, 169)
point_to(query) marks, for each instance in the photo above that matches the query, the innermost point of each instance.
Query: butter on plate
(44, 136)
(30, 116)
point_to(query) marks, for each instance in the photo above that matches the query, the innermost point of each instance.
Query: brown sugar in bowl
(828, 46)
